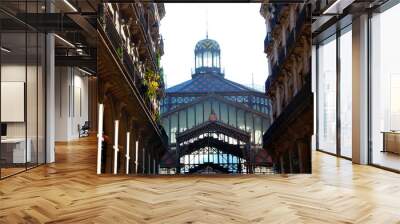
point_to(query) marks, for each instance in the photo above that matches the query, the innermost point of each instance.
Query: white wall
(13, 73)
(16, 73)
(33, 126)
(71, 102)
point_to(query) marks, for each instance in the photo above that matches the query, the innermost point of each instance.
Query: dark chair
(84, 130)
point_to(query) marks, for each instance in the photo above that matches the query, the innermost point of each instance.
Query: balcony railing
(282, 55)
(126, 59)
(276, 15)
(147, 36)
(267, 41)
(273, 21)
(284, 51)
(160, 46)
(131, 69)
(271, 78)
(301, 19)
(291, 40)
(301, 100)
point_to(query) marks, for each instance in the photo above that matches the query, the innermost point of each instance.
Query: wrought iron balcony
(146, 33)
(151, 8)
(291, 40)
(161, 10)
(278, 9)
(267, 41)
(301, 20)
(303, 99)
(271, 77)
(273, 22)
(287, 49)
(127, 62)
(276, 15)
(282, 55)
(160, 46)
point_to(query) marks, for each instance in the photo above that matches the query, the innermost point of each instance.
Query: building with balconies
(288, 48)
(130, 86)
(77, 68)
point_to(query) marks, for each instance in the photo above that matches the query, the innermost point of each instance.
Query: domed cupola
(207, 57)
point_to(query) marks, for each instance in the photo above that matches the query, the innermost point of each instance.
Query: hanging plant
(162, 76)
(158, 58)
(151, 80)
(120, 52)
(158, 117)
(152, 91)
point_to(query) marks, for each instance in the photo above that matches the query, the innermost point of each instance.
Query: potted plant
(120, 52)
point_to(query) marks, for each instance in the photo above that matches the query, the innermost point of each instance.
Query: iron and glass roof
(208, 83)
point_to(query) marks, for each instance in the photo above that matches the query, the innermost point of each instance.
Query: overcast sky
(238, 28)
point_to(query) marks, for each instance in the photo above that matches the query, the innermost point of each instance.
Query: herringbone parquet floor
(69, 191)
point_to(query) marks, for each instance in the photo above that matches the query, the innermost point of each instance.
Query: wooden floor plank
(69, 191)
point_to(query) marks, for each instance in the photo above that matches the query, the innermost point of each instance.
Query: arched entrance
(213, 147)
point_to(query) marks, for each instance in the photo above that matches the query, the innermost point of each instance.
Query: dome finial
(206, 23)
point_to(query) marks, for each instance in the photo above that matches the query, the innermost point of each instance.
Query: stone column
(149, 163)
(50, 92)
(178, 162)
(360, 90)
(137, 156)
(116, 129)
(128, 157)
(143, 160)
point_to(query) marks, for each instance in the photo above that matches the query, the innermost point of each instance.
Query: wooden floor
(5, 172)
(387, 159)
(70, 192)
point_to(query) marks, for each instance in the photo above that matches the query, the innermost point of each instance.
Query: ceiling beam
(208, 1)
(84, 24)
(81, 61)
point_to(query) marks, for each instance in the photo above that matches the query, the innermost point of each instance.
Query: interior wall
(16, 73)
(71, 102)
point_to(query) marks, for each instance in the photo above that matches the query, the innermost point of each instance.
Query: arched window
(205, 62)
(207, 54)
(198, 61)
(205, 59)
(209, 59)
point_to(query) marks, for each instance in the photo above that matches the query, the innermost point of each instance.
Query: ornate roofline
(217, 97)
(228, 93)
(210, 126)
(235, 150)
(227, 81)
